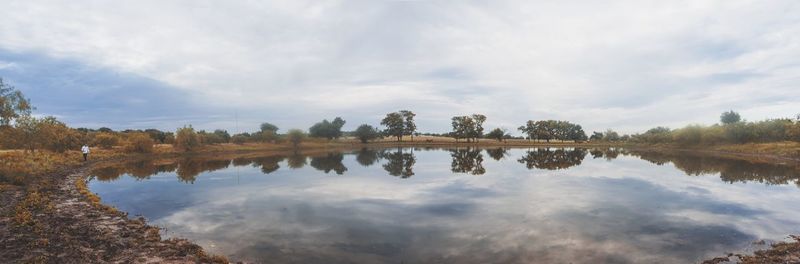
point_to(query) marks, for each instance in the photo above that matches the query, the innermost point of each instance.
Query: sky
(625, 65)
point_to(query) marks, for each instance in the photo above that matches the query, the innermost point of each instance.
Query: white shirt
(85, 149)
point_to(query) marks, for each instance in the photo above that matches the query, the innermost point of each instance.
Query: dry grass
(767, 152)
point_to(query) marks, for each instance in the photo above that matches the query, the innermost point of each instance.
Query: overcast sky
(627, 65)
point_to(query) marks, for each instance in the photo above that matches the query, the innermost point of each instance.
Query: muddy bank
(69, 228)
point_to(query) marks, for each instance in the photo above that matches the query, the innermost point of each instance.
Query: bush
(7, 136)
(295, 136)
(139, 142)
(239, 139)
(186, 139)
(106, 140)
(689, 135)
(713, 135)
(56, 136)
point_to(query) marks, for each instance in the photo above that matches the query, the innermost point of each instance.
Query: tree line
(20, 130)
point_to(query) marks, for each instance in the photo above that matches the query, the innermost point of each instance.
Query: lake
(466, 205)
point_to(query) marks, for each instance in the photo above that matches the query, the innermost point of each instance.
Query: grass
(786, 150)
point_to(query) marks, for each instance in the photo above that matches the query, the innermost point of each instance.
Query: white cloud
(623, 64)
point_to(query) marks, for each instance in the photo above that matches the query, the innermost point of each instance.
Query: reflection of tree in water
(140, 170)
(548, 159)
(467, 161)
(367, 157)
(330, 162)
(296, 161)
(497, 154)
(109, 173)
(400, 163)
(268, 164)
(607, 153)
(730, 170)
(189, 168)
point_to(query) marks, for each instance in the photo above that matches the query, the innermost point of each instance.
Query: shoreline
(80, 228)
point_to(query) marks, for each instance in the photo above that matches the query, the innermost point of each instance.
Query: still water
(406, 205)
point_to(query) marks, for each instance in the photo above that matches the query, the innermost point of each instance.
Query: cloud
(627, 65)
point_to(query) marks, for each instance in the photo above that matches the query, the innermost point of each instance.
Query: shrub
(56, 136)
(186, 139)
(239, 139)
(689, 135)
(106, 140)
(713, 135)
(7, 136)
(139, 142)
(295, 136)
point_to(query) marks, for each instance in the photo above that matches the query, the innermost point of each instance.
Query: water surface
(406, 205)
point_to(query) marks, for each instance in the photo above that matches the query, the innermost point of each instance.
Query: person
(85, 151)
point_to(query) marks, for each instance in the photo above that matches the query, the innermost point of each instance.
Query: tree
(366, 133)
(157, 135)
(463, 127)
(13, 104)
(497, 134)
(295, 136)
(186, 139)
(544, 129)
(223, 135)
(576, 133)
(611, 135)
(477, 131)
(326, 129)
(269, 127)
(596, 136)
(729, 117)
(529, 129)
(28, 129)
(409, 127)
(395, 125)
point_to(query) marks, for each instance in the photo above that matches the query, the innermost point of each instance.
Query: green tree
(529, 129)
(497, 134)
(596, 136)
(463, 127)
(395, 125)
(409, 127)
(326, 129)
(576, 133)
(366, 133)
(295, 136)
(13, 104)
(222, 135)
(157, 135)
(269, 127)
(477, 131)
(729, 117)
(611, 135)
